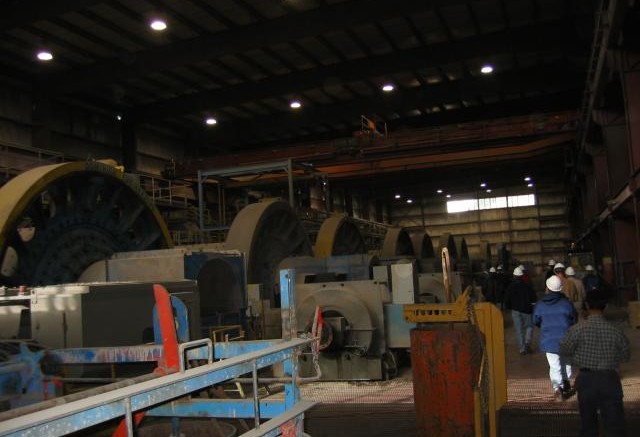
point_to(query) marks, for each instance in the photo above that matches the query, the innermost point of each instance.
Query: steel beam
(291, 27)
(219, 408)
(151, 352)
(21, 13)
(553, 76)
(84, 413)
(328, 151)
(521, 39)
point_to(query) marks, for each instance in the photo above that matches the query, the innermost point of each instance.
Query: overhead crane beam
(425, 140)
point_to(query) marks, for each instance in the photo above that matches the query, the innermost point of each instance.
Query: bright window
(465, 205)
(524, 200)
(462, 205)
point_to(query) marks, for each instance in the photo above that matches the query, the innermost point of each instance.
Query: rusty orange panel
(445, 370)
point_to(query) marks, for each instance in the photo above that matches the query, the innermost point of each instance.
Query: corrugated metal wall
(77, 132)
(532, 233)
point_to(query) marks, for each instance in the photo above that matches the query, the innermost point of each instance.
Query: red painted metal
(446, 365)
(170, 362)
(121, 430)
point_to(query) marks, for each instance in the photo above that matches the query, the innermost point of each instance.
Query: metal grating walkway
(385, 408)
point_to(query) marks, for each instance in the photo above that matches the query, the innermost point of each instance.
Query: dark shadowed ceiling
(244, 61)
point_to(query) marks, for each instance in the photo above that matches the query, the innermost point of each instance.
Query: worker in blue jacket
(554, 314)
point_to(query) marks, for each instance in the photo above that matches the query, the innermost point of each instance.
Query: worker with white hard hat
(502, 281)
(568, 288)
(520, 298)
(554, 314)
(578, 287)
(591, 279)
(549, 273)
(525, 274)
(489, 286)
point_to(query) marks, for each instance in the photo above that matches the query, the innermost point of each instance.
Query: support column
(41, 117)
(626, 255)
(630, 66)
(348, 204)
(129, 144)
(601, 180)
(379, 211)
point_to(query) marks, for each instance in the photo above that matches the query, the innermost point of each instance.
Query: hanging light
(44, 55)
(158, 24)
(486, 69)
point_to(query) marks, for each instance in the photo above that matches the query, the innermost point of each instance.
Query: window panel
(464, 205)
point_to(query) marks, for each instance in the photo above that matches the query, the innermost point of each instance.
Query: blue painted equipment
(152, 392)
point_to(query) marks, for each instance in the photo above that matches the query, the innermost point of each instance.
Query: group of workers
(594, 346)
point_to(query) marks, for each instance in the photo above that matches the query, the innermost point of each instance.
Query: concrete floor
(386, 408)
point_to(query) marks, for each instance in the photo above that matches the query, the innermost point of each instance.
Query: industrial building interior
(277, 217)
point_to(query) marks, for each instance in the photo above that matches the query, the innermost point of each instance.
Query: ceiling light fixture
(489, 190)
(439, 191)
(448, 196)
(530, 185)
(387, 87)
(211, 121)
(158, 25)
(398, 196)
(119, 117)
(486, 69)
(295, 104)
(484, 184)
(44, 55)
(409, 200)
(527, 178)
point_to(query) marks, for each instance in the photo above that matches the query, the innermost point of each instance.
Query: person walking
(549, 273)
(591, 279)
(554, 314)
(568, 288)
(525, 274)
(502, 282)
(597, 347)
(520, 298)
(489, 287)
(578, 287)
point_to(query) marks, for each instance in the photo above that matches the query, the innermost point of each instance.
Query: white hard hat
(500, 267)
(570, 271)
(558, 266)
(492, 270)
(554, 283)
(522, 267)
(552, 262)
(589, 268)
(518, 272)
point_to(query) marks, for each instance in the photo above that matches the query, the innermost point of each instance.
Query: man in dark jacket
(502, 282)
(549, 273)
(489, 286)
(591, 279)
(554, 314)
(519, 298)
(598, 347)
